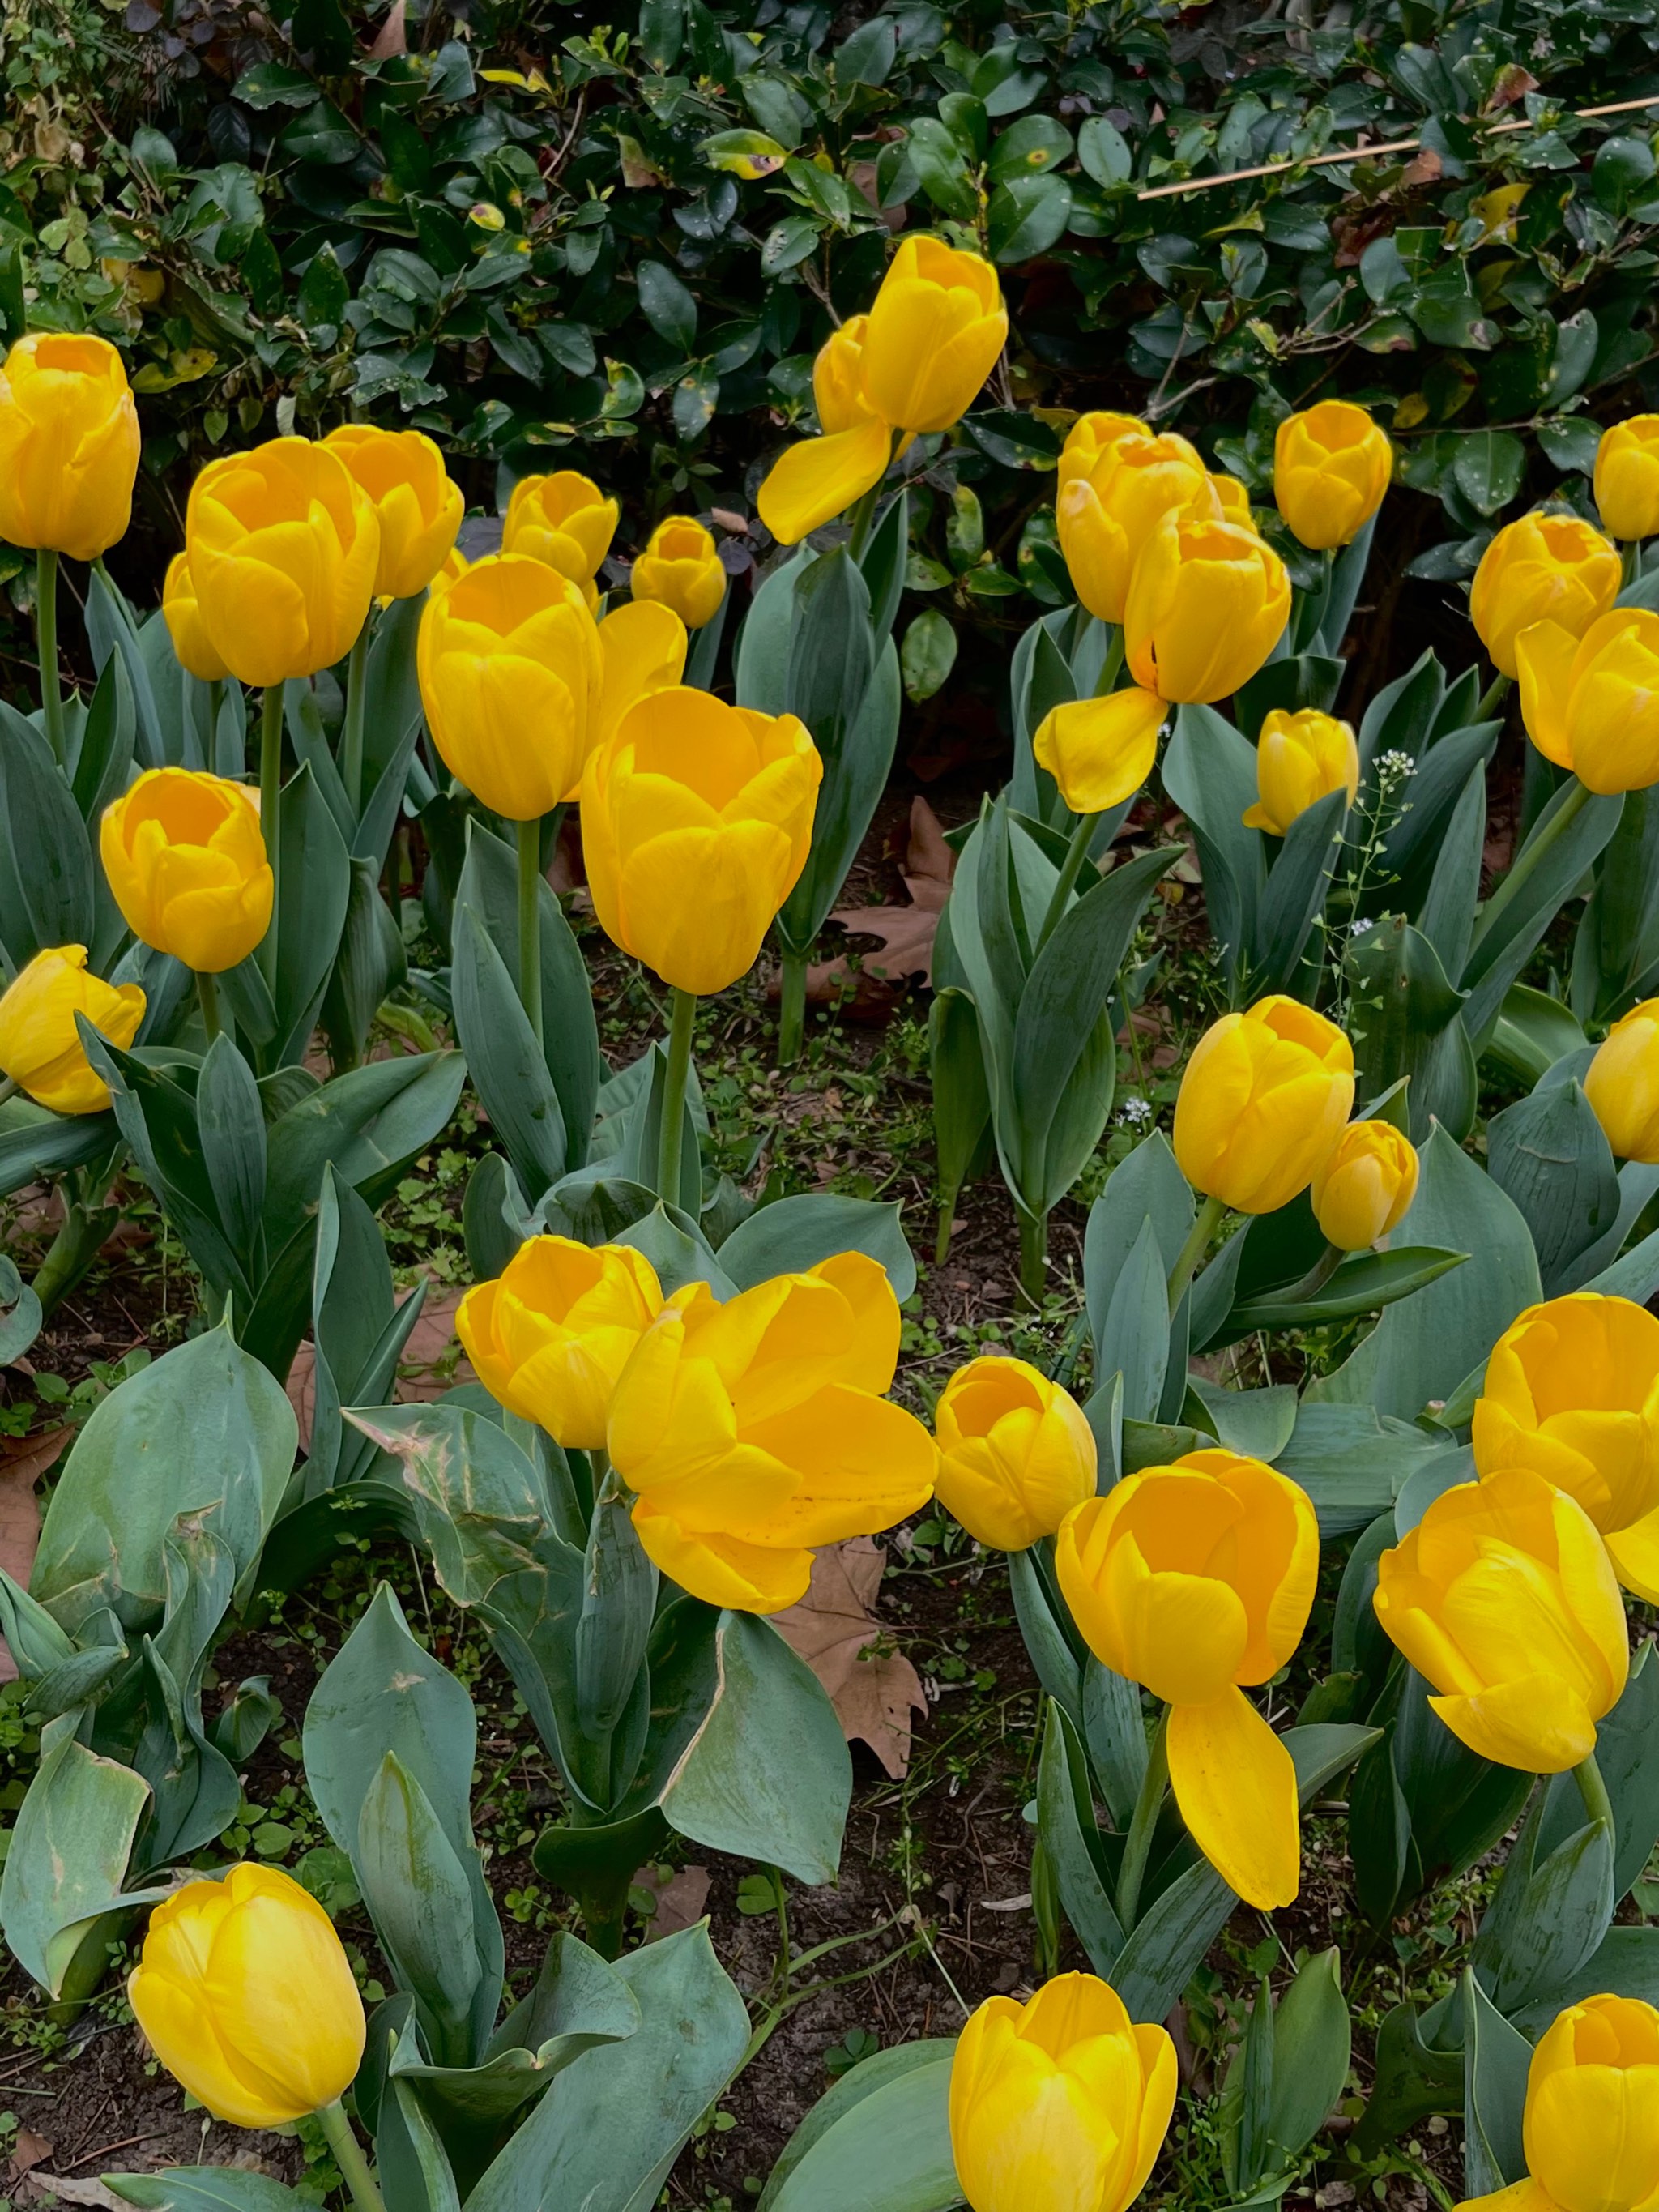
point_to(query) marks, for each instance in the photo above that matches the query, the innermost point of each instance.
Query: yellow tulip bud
(1590, 703)
(564, 520)
(1092, 440)
(838, 378)
(1063, 2101)
(1504, 1596)
(1590, 2128)
(933, 335)
(1266, 1095)
(1015, 1452)
(1100, 751)
(754, 1430)
(192, 648)
(1622, 1085)
(511, 676)
(696, 823)
(245, 1995)
(1365, 1186)
(1332, 465)
(1572, 1392)
(69, 445)
(419, 509)
(549, 1336)
(283, 545)
(1105, 518)
(814, 482)
(41, 1048)
(680, 568)
(1298, 759)
(1197, 1580)
(1627, 479)
(642, 647)
(186, 863)
(1235, 500)
(1545, 567)
(1208, 604)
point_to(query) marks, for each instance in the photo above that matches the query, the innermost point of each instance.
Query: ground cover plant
(539, 1359)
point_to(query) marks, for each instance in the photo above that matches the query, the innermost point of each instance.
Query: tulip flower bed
(1291, 1527)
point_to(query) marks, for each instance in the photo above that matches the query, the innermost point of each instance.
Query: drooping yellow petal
(1234, 1783)
(814, 482)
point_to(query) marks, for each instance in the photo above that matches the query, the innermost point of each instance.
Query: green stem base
(672, 1136)
(1033, 1256)
(354, 2168)
(1198, 1242)
(530, 922)
(792, 1009)
(1137, 1849)
(45, 621)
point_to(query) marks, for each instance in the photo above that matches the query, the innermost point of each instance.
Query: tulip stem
(1033, 1254)
(45, 621)
(1593, 1791)
(1065, 881)
(207, 990)
(792, 1009)
(670, 1138)
(349, 2157)
(1576, 798)
(1492, 697)
(530, 922)
(1138, 1847)
(351, 733)
(1198, 1242)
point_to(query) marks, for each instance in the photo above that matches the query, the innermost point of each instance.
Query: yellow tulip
(69, 445)
(838, 378)
(1627, 479)
(1545, 567)
(680, 568)
(1015, 1452)
(1590, 2128)
(1100, 751)
(1208, 602)
(1106, 516)
(1298, 759)
(418, 508)
(1590, 703)
(1197, 1580)
(1332, 465)
(186, 864)
(1266, 1095)
(1622, 1085)
(564, 520)
(1059, 2105)
(41, 1048)
(814, 482)
(549, 1336)
(512, 674)
(244, 1993)
(192, 648)
(1235, 500)
(696, 823)
(1091, 440)
(284, 545)
(751, 1431)
(642, 647)
(1572, 1392)
(1366, 1187)
(933, 336)
(1504, 1598)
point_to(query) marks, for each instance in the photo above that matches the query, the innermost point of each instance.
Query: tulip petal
(1519, 2196)
(723, 1570)
(1535, 1722)
(860, 1463)
(1234, 1783)
(1635, 1555)
(1544, 655)
(814, 482)
(1100, 752)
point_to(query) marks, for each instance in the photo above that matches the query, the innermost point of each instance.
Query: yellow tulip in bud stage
(1090, 441)
(1627, 479)
(1016, 1453)
(1590, 703)
(1622, 1085)
(1298, 759)
(192, 648)
(418, 508)
(1266, 1095)
(511, 676)
(1572, 1392)
(1100, 752)
(244, 1993)
(1365, 1186)
(41, 1048)
(838, 378)
(551, 1334)
(680, 569)
(69, 445)
(1059, 2105)
(642, 647)
(752, 1431)
(1235, 500)
(1332, 465)
(1106, 515)
(186, 863)
(1197, 1580)
(1208, 602)
(1504, 1598)
(1545, 567)
(564, 520)
(1590, 2129)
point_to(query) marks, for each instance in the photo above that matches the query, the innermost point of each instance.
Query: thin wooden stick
(1366, 153)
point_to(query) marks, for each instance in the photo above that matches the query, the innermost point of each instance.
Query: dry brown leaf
(392, 38)
(74, 2189)
(833, 1630)
(23, 1461)
(905, 933)
(301, 1387)
(29, 2150)
(423, 1372)
(682, 1898)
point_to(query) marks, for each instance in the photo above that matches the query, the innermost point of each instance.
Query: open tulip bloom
(1590, 2126)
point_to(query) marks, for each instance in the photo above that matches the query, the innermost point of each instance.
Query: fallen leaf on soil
(905, 933)
(833, 1630)
(30, 2149)
(74, 2189)
(23, 1461)
(681, 1898)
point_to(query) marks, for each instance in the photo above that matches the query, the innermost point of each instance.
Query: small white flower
(1360, 927)
(1134, 1111)
(1394, 763)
